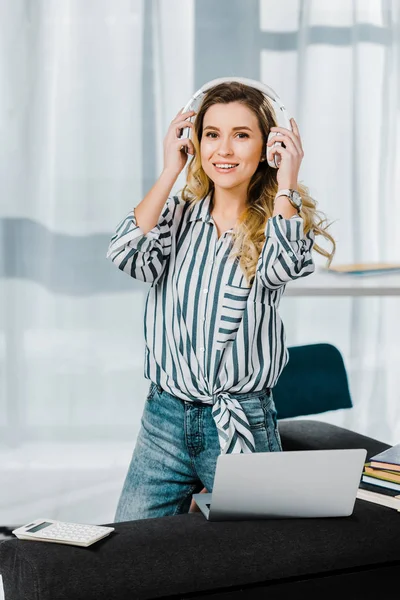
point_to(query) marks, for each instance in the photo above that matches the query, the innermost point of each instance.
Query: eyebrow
(233, 128)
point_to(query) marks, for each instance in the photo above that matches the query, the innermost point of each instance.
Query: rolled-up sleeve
(143, 256)
(286, 254)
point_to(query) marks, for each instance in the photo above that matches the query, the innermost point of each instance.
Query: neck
(228, 204)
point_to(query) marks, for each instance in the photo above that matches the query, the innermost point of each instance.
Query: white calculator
(59, 532)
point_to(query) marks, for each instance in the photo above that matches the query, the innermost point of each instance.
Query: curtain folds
(88, 92)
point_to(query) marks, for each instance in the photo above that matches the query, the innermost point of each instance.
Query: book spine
(369, 487)
(381, 482)
(384, 465)
(382, 474)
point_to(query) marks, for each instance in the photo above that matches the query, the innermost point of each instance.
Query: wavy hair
(249, 236)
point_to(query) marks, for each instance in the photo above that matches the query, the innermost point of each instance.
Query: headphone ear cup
(186, 131)
(275, 162)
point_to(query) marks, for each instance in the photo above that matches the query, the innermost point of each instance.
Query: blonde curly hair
(249, 236)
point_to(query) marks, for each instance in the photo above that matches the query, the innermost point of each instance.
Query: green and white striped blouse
(207, 332)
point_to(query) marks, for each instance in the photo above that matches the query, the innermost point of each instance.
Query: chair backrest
(314, 381)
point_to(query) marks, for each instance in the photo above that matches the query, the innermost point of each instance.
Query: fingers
(179, 125)
(182, 116)
(289, 142)
(276, 150)
(293, 135)
(284, 140)
(193, 507)
(295, 128)
(182, 123)
(186, 145)
(281, 152)
(185, 142)
(179, 113)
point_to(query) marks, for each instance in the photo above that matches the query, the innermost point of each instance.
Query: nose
(224, 147)
(224, 150)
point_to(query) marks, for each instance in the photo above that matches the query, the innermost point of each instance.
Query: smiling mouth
(225, 168)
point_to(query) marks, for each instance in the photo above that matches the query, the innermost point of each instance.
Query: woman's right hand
(174, 158)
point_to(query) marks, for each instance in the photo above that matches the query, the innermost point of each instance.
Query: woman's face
(231, 145)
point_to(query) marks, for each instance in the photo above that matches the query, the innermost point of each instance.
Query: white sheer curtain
(88, 91)
(342, 82)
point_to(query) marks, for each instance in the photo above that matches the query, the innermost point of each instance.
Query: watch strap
(289, 194)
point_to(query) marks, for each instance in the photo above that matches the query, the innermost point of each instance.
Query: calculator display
(39, 527)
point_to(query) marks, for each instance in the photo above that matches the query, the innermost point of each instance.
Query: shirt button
(205, 290)
(290, 253)
(202, 349)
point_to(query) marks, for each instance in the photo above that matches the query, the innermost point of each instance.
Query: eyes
(209, 133)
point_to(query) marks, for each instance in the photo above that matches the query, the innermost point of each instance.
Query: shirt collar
(201, 210)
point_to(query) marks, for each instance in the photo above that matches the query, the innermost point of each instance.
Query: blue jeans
(177, 448)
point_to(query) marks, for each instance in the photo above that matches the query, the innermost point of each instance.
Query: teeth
(225, 166)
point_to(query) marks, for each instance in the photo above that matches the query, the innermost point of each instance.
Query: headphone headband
(258, 85)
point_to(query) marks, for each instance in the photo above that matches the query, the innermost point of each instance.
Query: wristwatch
(294, 198)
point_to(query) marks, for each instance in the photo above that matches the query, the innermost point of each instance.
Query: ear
(264, 155)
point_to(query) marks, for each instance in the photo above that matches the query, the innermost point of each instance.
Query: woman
(218, 256)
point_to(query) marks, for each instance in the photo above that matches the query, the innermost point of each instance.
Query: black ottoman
(186, 556)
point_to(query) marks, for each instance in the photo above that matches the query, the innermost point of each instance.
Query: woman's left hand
(193, 505)
(291, 156)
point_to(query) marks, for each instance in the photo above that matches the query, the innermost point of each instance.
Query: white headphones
(281, 114)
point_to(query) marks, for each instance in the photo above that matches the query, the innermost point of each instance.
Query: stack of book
(380, 481)
(375, 268)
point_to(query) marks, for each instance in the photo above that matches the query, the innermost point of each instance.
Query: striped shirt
(207, 332)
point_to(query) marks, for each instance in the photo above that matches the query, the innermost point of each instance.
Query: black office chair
(314, 381)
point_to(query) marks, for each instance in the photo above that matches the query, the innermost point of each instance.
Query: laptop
(281, 485)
